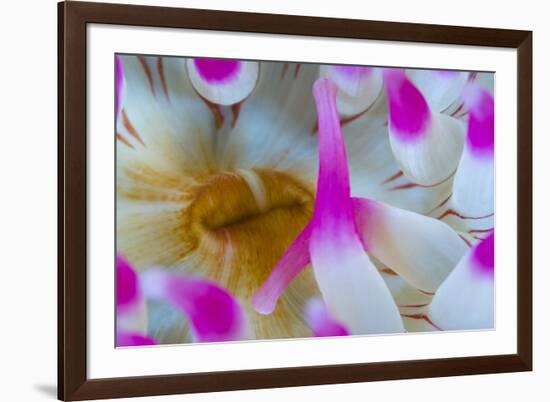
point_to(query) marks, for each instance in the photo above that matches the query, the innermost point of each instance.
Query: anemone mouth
(241, 223)
(229, 202)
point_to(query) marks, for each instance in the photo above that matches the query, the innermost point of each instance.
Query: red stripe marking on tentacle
(465, 241)
(481, 230)
(216, 112)
(160, 68)
(446, 200)
(461, 115)
(422, 317)
(458, 109)
(236, 110)
(393, 177)
(454, 213)
(148, 73)
(130, 127)
(446, 110)
(389, 271)
(121, 138)
(350, 119)
(297, 71)
(285, 69)
(405, 186)
(344, 121)
(413, 305)
(426, 293)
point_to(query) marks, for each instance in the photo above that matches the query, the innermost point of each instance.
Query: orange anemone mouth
(240, 224)
(228, 204)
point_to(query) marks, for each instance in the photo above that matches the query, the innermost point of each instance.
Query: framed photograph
(252, 200)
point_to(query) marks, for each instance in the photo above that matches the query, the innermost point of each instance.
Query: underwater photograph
(266, 200)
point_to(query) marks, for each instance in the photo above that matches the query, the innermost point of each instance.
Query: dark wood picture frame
(73, 17)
